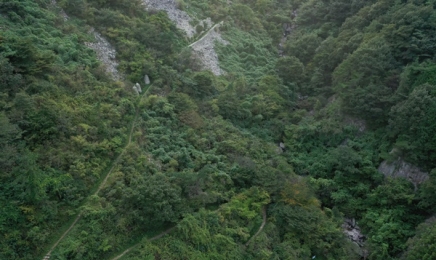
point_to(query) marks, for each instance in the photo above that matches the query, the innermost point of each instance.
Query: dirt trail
(201, 46)
(204, 36)
(192, 45)
(115, 162)
(151, 239)
(260, 228)
(171, 229)
(47, 256)
(121, 154)
(204, 48)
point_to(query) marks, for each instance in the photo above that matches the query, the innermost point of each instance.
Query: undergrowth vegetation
(350, 85)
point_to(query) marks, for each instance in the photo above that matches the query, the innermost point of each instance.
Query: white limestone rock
(205, 50)
(179, 17)
(146, 80)
(105, 53)
(138, 87)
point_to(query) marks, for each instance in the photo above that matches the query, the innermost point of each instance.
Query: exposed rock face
(179, 17)
(206, 52)
(352, 230)
(105, 53)
(402, 169)
(204, 48)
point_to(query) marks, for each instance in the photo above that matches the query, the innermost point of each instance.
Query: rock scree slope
(205, 50)
(205, 46)
(179, 17)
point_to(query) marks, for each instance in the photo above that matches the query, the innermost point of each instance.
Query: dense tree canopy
(262, 162)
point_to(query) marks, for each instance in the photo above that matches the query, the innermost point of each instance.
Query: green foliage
(359, 81)
(251, 55)
(157, 199)
(290, 69)
(422, 245)
(313, 228)
(200, 85)
(303, 46)
(199, 152)
(246, 205)
(427, 200)
(59, 112)
(413, 121)
(392, 217)
(245, 17)
(10, 82)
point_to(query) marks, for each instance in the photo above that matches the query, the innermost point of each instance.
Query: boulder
(138, 87)
(136, 90)
(146, 80)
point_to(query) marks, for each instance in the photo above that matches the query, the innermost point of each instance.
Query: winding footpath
(206, 34)
(103, 183)
(115, 162)
(260, 228)
(171, 229)
(151, 239)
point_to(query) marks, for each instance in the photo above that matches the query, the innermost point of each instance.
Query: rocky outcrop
(204, 47)
(402, 169)
(205, 50)
(352, 231)
(179, 17)
(105, 53)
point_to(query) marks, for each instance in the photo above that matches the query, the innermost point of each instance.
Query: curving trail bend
(103, 183)
(151, 239)
(171, 229)
(260, 228)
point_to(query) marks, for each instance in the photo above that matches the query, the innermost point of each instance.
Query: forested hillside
(325, 114)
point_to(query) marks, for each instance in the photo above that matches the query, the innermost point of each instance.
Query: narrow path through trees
(171, 229)
(260, 228)
(115, 162)
(151, 239)
(103, 183)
